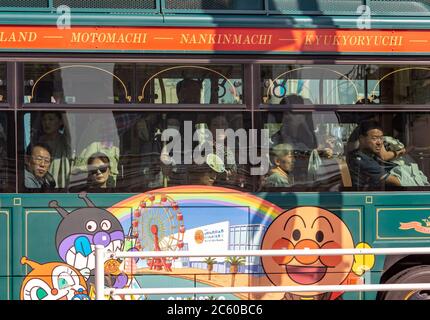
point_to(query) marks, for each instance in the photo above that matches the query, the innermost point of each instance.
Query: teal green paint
(390, 220)
(5, 253)
(41, 228)
(351, 216)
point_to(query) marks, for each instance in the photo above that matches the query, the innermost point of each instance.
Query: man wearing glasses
(367, 164)
(38, 160)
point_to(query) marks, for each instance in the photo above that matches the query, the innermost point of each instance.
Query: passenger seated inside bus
(173, 172)
(318, 152)
(318, 140)
(36, 174)
(98, 132)
(214, 138)
(366, 164)
(99, 172)
(282, 156)
(53, 133)
(98, 179)
(297, 129)
(189, 91)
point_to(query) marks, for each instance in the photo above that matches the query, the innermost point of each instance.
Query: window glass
(332, 151)
(80, 83)
(109, 151)
(190, 84)
(110, 83)
(57, 147)
(388, 84)
(178, 148)
(316, 84)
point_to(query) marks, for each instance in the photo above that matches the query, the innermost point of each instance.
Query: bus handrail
(101, 291)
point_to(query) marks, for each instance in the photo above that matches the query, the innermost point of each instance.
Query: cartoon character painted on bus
(80, 231)
(313, 228)
(53, 281)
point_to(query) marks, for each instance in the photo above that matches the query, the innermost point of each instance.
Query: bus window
(70, 140)
(306, 149)
(80, 83)
(177, 148)
(330, 151)
(316, 84)
(406, 84)
(190, 84)
(133, 151)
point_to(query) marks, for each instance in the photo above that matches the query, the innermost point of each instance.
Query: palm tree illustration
(234, 262)
(210, 262)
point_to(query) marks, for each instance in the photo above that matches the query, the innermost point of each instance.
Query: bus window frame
(9, 108)
(12, 150)
(9, 78)
(22, 107)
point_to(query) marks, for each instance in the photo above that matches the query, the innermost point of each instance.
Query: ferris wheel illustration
(158, 224)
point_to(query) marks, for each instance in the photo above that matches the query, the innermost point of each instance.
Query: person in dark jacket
(38, 160)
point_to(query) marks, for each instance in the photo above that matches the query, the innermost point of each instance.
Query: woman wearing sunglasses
(98, 165)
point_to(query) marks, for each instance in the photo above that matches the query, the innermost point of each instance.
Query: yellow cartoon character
(312, 228)
(53, 281)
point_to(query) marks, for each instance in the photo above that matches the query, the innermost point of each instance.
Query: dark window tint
(181, 148)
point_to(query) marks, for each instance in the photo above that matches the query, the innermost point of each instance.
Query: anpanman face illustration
(313, 228)
(112, 266)
(199, 236)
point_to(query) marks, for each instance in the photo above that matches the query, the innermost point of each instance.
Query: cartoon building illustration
(220, 237)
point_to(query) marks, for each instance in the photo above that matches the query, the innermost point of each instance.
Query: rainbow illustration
(194, 195)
